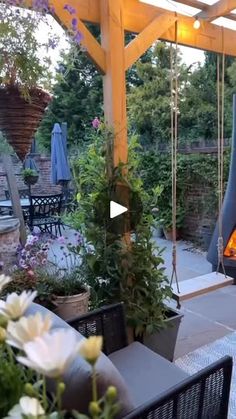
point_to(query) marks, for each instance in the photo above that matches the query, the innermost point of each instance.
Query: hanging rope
(220, 128)
(174, 143)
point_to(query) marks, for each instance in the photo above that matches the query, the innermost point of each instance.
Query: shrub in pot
(56, 277)
(66, 294)
(116, 270)
(29, 176)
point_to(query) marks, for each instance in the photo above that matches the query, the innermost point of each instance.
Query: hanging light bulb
(196, 23)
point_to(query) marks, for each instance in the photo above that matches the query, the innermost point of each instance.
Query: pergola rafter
(150, 23)
(220, 8)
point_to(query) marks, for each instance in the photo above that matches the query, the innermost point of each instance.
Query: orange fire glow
(230, 249)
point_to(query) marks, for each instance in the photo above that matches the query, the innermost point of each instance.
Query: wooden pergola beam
(193, 3)
(208, 38)
(92, 48)
(147, 37)
(137, 16)
(114, 81)
(220, 8)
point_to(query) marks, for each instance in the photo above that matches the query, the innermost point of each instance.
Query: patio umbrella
(60, 171)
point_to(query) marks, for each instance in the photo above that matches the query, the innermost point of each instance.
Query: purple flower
(70, 9)
(52, 43)
(74, 23)
(78, 37)
(96, 123)
(41, 5)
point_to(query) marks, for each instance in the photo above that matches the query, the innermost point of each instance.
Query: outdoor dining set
(42, 211)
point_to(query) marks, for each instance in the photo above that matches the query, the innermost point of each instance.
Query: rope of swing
(220, 128)
(174, 143)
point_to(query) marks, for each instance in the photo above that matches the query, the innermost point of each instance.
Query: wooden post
(114, 84)
(14, 193)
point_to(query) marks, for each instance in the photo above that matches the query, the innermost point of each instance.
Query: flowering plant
(50, 266)
(21, 47)
(31, 350)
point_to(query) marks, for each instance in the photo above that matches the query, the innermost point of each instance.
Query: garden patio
(88, 325)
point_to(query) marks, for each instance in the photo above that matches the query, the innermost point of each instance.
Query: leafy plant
(20, 61)
(12, 381)
(28, 173)
(114, 269)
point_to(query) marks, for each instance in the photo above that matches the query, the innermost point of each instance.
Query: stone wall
(43, 186)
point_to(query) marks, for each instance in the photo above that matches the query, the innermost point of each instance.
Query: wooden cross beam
(147, 37)
(220, 8)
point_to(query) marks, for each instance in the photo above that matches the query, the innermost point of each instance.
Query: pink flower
(31, 273)
(61, 240)
(96, 123)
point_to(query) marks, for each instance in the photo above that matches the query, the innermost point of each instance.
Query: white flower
(52, 353)
(15, 305)
(27, 329)
(90, 349)
(4, 280)
(28, 406)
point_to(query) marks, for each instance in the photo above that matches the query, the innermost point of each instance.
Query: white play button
(116, 209)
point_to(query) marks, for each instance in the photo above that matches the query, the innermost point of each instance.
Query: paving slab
(196, 331)
(218, 306)
(191, 262)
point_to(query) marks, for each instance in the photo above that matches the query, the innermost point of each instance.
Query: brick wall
(43, 186)
(201, 214)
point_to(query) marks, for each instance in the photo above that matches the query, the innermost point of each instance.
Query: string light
(196, 24)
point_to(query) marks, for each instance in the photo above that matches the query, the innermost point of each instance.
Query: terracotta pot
(71, 306)
(20, 118)
(168, 233)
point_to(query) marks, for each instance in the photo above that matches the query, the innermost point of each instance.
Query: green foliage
(5, 148)
(193, 169)
(12, 380)
(117, 270)
(77, 98)
(149, 102)
(28, 172)
(20, 62)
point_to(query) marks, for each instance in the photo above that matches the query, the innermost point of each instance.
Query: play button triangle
(116, 209)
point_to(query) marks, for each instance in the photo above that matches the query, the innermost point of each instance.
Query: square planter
(164, 340)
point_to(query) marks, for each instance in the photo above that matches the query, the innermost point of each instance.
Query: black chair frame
(204, 395)
(44, 213)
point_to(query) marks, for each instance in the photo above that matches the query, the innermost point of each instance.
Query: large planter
(163, 341)
(20, 118)
(71, 306)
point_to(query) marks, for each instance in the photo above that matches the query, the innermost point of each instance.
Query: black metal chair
(24, 194)
(204, 395)
(44, 213)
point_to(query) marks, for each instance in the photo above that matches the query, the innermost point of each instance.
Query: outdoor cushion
(146, 373)
(78, 377)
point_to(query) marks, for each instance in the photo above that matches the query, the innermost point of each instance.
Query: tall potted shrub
(116, 270)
